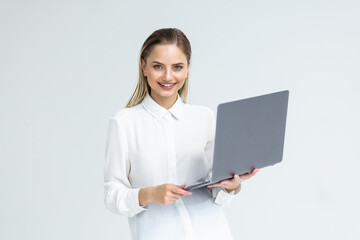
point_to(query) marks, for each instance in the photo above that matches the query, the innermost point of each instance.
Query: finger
(254, 171)
(245, 177)
(182, 186)
(219, 184)
(215, 185)
(237, 179)
(175, 195)
(181, 193)
(231, 182)
(171, 200)
(248, 175)
(179, 190)
(172, 193)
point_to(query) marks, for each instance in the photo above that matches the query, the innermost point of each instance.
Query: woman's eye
(178, 67)
(157, 66)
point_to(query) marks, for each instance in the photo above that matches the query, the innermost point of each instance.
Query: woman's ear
(143, 66)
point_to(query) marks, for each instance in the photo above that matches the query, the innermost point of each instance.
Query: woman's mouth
(166, 86)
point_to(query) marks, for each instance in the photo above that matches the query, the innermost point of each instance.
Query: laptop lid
(249, 134)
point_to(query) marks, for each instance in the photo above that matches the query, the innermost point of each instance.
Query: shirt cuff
(134, 199)
(222, 197)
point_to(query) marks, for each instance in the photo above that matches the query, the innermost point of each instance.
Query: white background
(67, 66)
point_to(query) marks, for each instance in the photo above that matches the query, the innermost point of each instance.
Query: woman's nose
(168, 75)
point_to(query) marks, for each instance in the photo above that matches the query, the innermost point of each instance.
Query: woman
(159, 144)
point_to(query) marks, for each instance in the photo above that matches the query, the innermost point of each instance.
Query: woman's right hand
(164, 194)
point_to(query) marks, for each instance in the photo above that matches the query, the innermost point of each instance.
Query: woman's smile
(167, 86)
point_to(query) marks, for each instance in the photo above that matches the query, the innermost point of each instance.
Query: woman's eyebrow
(156, 62)
(163, 64)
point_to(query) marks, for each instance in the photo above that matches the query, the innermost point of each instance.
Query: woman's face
(166, 68)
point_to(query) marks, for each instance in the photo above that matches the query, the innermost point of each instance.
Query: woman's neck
(165, 102)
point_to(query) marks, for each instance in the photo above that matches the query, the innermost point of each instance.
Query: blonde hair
(160, 36)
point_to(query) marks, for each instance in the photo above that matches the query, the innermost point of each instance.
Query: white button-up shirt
(148, 145)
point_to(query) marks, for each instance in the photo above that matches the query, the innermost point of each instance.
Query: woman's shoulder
(199, 109)
(125, 114)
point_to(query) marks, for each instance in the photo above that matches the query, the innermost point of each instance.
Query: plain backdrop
(67, 66)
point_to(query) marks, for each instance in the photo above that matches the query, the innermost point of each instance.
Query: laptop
(249, 134)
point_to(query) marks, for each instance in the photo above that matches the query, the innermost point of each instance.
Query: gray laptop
(249, 134)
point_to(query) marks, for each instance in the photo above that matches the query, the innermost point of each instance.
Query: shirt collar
(158, 111)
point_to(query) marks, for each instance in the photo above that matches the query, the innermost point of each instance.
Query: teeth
(167, 85)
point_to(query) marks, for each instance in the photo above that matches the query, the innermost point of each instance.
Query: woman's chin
(167, 93)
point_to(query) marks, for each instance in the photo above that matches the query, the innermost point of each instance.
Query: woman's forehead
(169, 53)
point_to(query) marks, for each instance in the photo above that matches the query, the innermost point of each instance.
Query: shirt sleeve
(220, 195)
(119, 197)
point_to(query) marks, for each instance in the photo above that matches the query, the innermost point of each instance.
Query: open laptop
(249, 134)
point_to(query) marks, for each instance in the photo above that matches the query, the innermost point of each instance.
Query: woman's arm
(119, 196)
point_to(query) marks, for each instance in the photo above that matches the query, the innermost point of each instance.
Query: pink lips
(167, 88)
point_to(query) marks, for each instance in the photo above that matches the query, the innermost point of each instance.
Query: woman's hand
(164, 194)
(235, 182)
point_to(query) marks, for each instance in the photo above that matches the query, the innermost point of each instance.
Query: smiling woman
(159, 144)
(163, 50)
(166, 69)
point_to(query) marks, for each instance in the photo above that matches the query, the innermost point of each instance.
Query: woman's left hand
(235, 182)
